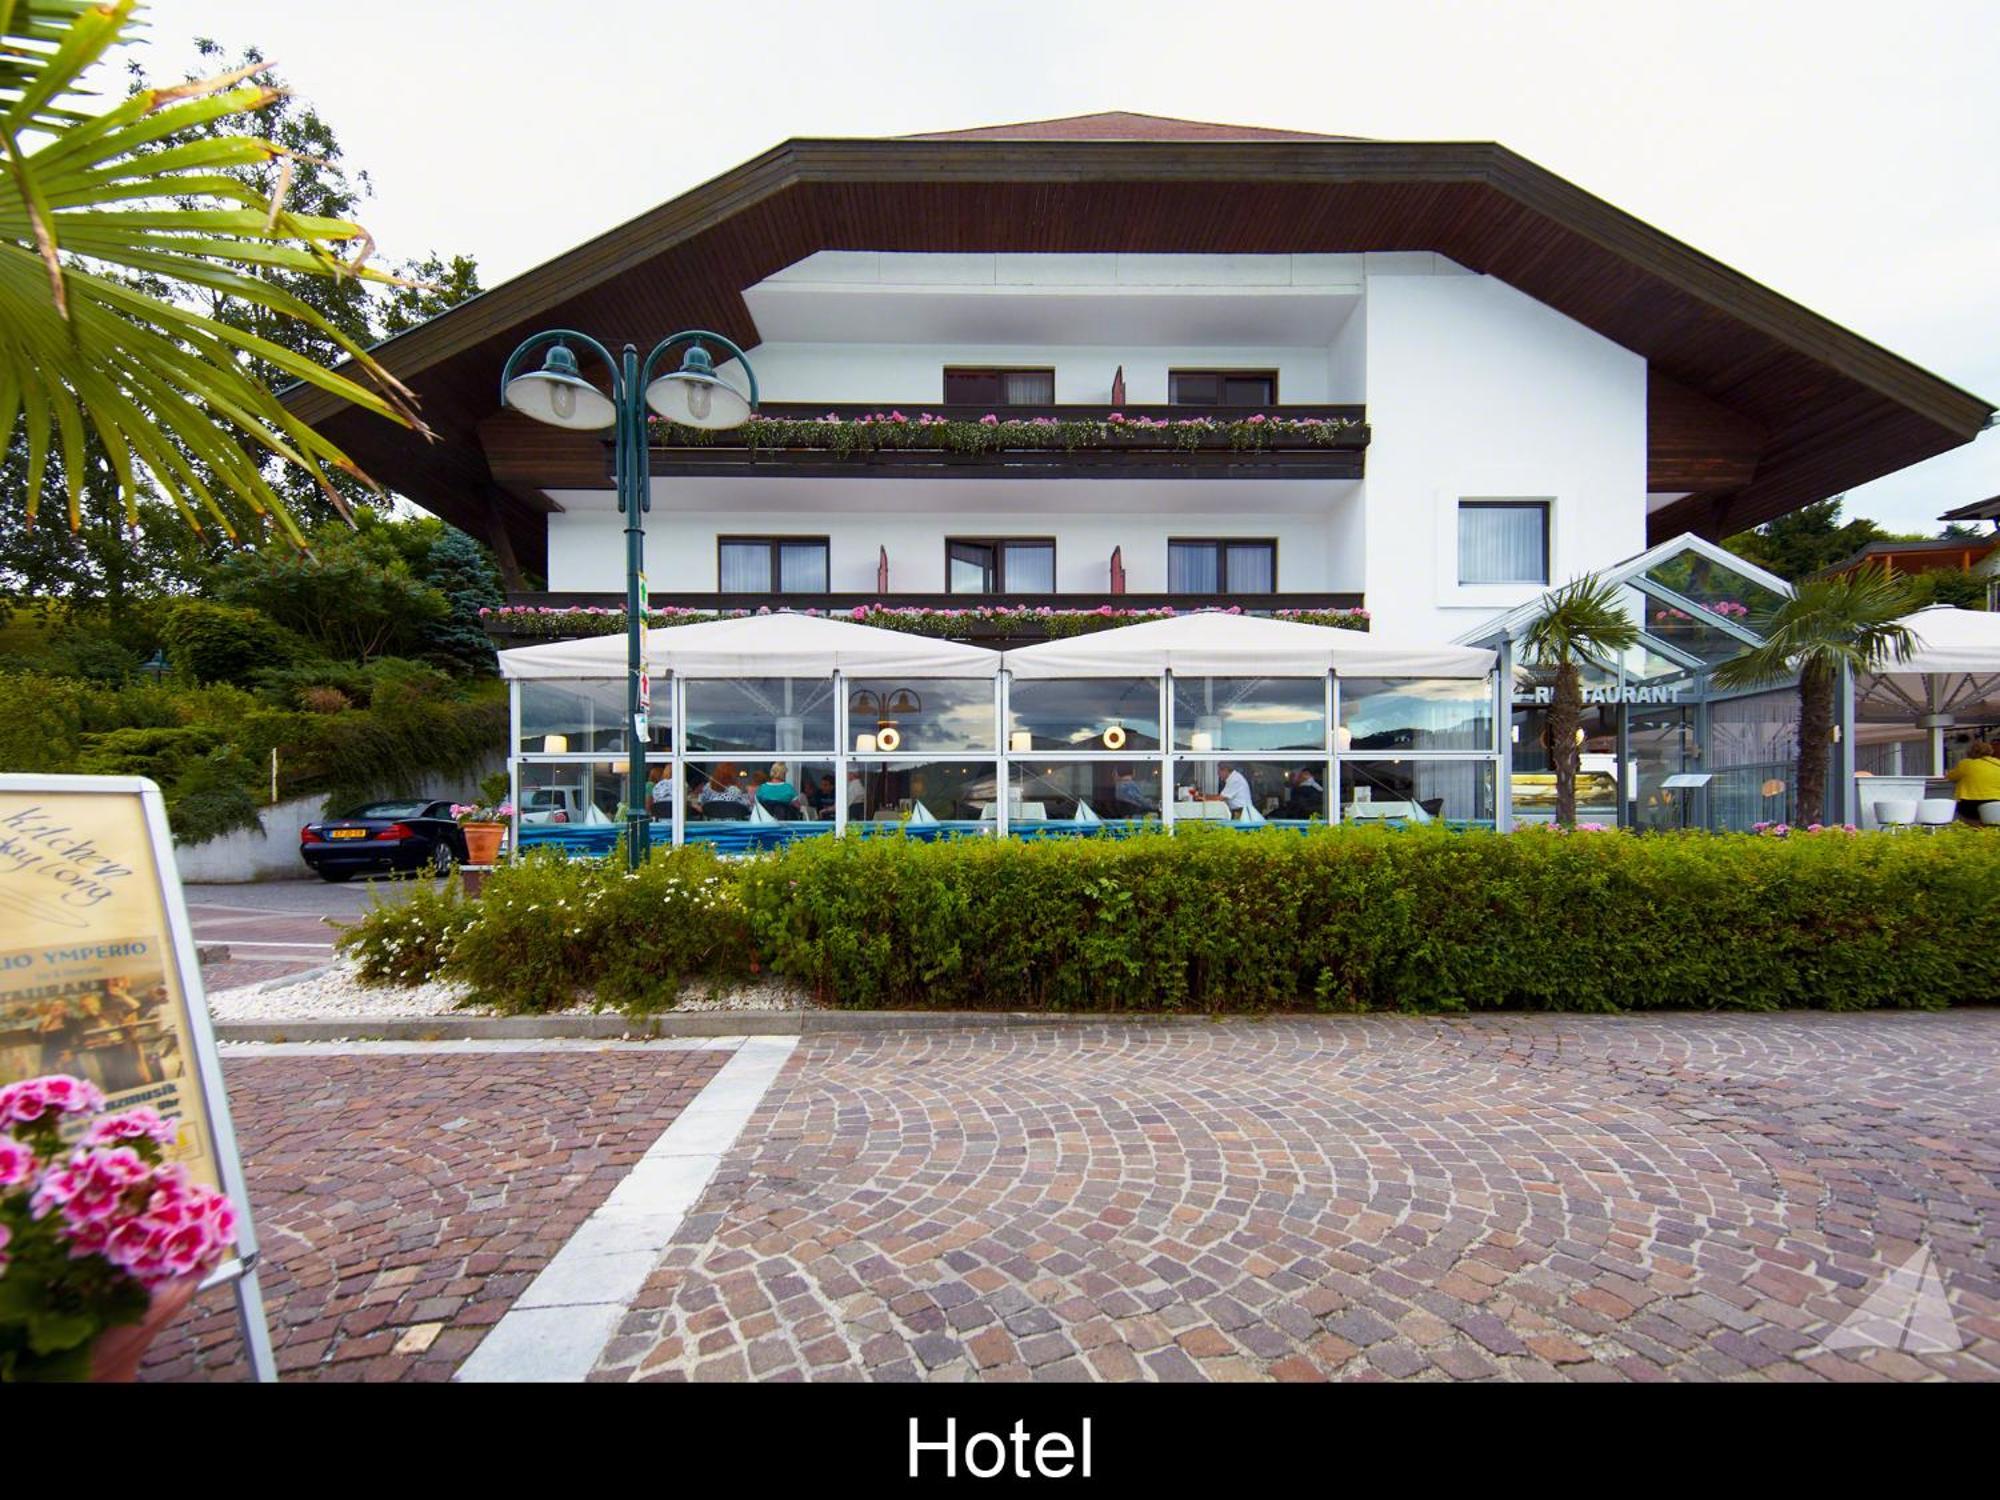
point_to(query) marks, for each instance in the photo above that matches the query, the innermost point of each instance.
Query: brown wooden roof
(1760, 405)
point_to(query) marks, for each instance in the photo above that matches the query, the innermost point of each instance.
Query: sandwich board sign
(98, 979)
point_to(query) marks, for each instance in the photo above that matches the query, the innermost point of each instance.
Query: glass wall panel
(1085, 713)
(1454, 791)
(947, 713)
(1694, 632)
(955, 790)
(575, 794)
(1052, 791)
(1597, 778)
(1446, 713)
(788, 790)
(760, 714)
(580, 718)
(1250, 713)
(1282, 791)
(1662, 745)
(1716, 587)
(1753, 749)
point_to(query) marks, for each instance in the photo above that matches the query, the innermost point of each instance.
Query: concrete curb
(612, 1027)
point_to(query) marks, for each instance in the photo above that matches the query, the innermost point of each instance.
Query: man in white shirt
(1235, 789)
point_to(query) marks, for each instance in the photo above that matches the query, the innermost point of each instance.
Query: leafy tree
(1808, 540)
(220, 643)
(345, 595)
(1848, 620)
(1581, 619)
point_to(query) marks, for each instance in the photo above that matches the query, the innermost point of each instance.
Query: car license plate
(347, 833)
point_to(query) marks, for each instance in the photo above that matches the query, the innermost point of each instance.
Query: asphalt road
(278, 927)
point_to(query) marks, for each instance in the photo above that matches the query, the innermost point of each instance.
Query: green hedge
(1216, 920)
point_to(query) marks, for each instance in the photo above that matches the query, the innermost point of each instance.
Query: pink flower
(1257, 420)
(17, 1162)
(143, 1123)
(989, 420)
(1117, 419)
(57, 1093)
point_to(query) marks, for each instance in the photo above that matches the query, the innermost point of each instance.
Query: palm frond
(1847, 620)
(1582, 618)
(99, 208)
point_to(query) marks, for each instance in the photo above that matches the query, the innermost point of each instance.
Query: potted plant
(102, 1243)
(485, 822)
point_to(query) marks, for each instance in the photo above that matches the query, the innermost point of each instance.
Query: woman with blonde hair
(778, 796)
(1976, 781)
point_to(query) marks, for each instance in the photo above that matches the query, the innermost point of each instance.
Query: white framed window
(1503, 541)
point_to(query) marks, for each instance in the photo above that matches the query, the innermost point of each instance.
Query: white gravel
(336, 994)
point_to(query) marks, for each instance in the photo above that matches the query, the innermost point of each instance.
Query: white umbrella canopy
(774, 645)
(1225, 645)
(1953, 671)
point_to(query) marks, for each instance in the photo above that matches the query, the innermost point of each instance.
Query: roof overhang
(1768, 405)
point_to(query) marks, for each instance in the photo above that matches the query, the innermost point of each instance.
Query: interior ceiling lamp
(1114, 737)
(889, 737)
(904, 701)
(865, 703)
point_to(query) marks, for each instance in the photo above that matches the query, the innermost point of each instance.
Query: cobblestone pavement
(1686, 1198)
(404, 1201)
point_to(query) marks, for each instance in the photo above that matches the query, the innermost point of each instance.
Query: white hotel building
(1524, 384)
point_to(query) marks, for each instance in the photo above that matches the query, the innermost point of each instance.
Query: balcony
(1052, 442)
(996, 620)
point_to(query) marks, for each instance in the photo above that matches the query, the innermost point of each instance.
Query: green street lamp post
(693, 396)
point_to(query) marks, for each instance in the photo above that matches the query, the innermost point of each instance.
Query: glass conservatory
(1662, 747)
(782, 726)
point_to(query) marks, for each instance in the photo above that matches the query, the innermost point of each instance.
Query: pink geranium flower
(145, 1122)
(17, 1162)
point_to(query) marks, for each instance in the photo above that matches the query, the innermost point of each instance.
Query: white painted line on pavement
(252, 1051)
(557, 1329)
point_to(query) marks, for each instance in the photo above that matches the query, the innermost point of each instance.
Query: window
(1000, 566)
(1503, 541)
(772, 564)
(1222, 387)
(1000, 387)
(1222, 567)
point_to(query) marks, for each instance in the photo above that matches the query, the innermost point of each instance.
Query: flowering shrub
(1785, 830)
(568, 622)
(88, 1232)
(408, 941)
(477, 812)
(879, 431)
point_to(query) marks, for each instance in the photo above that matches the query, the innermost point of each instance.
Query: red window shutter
(882, 572)
(1117, 570)
(1118, 388)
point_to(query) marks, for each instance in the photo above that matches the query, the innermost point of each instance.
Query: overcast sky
(1846, 154)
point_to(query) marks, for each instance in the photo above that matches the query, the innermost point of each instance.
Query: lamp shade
(555, 744)
(558, 395)
(695, 396)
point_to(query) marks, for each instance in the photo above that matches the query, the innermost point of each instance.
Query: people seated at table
(722, 796)
(1128, 798)
(778, 797)
(857, 796)
(1235, 788)
(823, 797)
(1975, 780)
(660, 798)
(1305, 797)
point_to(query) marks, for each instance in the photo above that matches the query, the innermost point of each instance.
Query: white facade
(1473, 391)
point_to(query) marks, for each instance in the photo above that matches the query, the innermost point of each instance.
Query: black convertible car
(393, 836)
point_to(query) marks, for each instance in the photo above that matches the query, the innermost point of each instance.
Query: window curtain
(1028, 388)
(1502, 544)
(1253, 570)
(746, 568)
(802, 568)
(1193, 569)
(1031, 569)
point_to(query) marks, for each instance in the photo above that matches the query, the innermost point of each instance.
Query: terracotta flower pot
(114, 1359)
(482, 842)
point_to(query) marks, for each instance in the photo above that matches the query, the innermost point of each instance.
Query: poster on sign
(98, 979)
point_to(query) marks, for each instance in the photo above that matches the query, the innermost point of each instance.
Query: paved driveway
(1688, 1198)
(277, 927)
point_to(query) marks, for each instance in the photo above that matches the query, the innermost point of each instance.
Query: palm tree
(112, 222)
(1582, 618)
(1829, 623)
